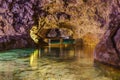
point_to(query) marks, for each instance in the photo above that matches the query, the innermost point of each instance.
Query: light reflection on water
(54, 63)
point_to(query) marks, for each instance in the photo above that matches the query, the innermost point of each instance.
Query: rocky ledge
(18, 41)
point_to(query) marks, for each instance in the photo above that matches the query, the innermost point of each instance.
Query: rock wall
(15, 23)
(108, 49)
(18, 16)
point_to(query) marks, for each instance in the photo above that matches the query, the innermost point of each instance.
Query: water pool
(54, 63)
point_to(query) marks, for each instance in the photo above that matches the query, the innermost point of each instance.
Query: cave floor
(54, 63)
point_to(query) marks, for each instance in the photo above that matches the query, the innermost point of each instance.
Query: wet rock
(20, 41)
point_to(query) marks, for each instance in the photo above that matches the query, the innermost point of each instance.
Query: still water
(54, 63)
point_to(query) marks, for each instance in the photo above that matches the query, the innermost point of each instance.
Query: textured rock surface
(15, 23)
(108, 50)
(18, 16)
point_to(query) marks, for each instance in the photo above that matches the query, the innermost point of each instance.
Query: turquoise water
(54, 63)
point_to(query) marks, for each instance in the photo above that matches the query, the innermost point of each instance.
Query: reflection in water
(54, 63)
(33, 58)
(107, 71)
(63, 53)
(59, 53)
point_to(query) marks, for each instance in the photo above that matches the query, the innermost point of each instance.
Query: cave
(59, 39)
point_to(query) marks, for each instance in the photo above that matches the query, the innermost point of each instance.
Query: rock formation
(108, 49)
(15, 23)
(18, 16)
